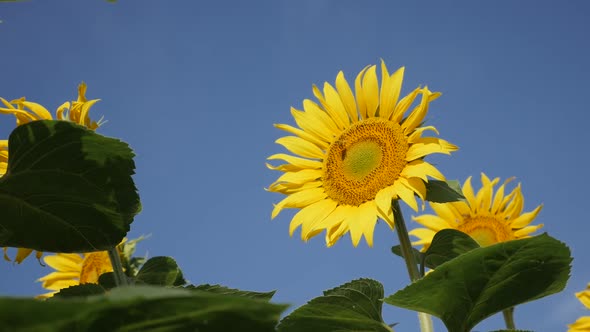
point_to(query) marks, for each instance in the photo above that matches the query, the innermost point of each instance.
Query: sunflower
(354, 154)
(25, 112)
(488, 219)
(583, 323)
(74, 269)
(77, 269)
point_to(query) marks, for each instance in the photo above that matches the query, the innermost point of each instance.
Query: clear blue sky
(195, 86)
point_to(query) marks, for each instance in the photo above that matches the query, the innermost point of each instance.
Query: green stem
(411, 265)
(120, 277)
(509, 318)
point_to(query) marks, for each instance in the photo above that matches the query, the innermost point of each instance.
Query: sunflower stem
(509, 318)
(411, 265)
(120, 277)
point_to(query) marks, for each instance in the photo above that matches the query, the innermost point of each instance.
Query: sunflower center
(93, 266)
(364, 159)
(486, 230)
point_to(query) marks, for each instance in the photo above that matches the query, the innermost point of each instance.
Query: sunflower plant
(355, 154)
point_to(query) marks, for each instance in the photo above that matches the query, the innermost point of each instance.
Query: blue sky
(195, 87)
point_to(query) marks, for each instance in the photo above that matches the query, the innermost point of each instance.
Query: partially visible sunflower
(77, 269)
(25, 112)
(488, 219)
(354, 155)
(583, 323)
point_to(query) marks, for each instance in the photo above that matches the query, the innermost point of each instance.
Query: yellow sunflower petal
(433, 222)
(310, 123)
(336, 107)
(64, 262)
(300, 177)
(429, 145)
(301, 147)
(334, 219)
(580, 325)
(299, 163)
(405, 194)
(417, 133)
(383, 201)
(41, 112)
(347, 97)
(525, 218)
(55, 276)
(302, 134)
(468, 192)
(363, 216)
(360, 95)
(525, 231)
(371, 91)
(299, 199)
(390, 90)
(403, 105)
(447, 212)
(315, 214)
(421, 169)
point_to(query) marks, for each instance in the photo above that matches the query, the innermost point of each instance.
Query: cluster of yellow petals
(487, 218)
(26, 111)
(583, 323)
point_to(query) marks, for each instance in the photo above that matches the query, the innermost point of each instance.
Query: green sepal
(67, 189)
(354, 306)
(443, 191)
(477, 284)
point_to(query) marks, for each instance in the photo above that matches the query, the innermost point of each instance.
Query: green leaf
(107, 280)
(162, 271)
(218, 289)
(142, 308)
(443, 191)
(397, 250)
(446, 245)
(484, 281)
(354, 306)
(67, 189)
(79, 290)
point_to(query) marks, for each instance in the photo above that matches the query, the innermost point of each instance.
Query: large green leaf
(162, 271)
(354, 306)
(484, 281)
(443, 191)
(231, 291)
(67, 189)
(141, 308)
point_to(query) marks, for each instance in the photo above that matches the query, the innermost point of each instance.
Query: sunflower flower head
(78, 269)
(487, 218)
(583, 323)
(27, 111)
(352, 154)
